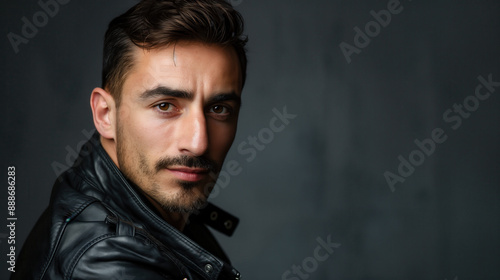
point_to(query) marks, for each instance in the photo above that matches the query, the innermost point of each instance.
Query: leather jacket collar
(113, 189)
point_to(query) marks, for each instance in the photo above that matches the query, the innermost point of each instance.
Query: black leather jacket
(97, 226)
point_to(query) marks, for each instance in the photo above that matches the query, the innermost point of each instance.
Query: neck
(110, 147)
(175, 219)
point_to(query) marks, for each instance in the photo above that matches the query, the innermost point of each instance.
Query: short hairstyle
(154, 24)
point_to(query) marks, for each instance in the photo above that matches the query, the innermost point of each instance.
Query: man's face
(177, 120)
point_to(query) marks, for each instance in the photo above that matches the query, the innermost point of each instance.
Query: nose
(193, 133)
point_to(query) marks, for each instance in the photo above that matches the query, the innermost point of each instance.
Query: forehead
(188, 66)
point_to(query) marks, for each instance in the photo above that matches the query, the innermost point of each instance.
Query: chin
(187, 199)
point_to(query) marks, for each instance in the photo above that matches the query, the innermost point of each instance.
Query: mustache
(187, 161)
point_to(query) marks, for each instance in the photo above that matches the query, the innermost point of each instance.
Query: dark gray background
(323, 174)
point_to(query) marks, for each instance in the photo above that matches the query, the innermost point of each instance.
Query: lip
(188, 174)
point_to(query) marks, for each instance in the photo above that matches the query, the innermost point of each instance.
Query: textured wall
(402, 96)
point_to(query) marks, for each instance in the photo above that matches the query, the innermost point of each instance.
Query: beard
(189, 197)
(186, 201)
(182, 202)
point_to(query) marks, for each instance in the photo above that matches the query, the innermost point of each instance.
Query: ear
(104, 113)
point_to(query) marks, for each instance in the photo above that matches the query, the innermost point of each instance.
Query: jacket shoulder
(98, 244)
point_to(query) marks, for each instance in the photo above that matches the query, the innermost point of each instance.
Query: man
(134, 203)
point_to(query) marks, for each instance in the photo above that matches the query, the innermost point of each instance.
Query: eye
(221, 112)
(219, 109)
(165, 107)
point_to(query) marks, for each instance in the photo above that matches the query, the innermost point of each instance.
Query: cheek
(221, 139)
(143, 134)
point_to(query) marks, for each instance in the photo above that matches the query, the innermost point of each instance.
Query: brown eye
(218, 109)
(221, 112)
(164, 106)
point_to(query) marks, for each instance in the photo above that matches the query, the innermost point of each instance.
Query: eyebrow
(165, 91)
(168, 92)
(220, 97)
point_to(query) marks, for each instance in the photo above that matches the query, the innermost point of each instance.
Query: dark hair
(153, 24)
